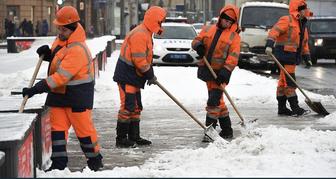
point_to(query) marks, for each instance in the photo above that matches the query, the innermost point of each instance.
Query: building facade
(39, 10)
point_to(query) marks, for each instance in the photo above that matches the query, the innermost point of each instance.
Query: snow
(273, 4)
(13, 126)
(270, 151)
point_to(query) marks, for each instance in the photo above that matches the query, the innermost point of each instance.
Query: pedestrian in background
(45, 28)
(290, 37)
(70, 87)
(133, 69)
(220, 44)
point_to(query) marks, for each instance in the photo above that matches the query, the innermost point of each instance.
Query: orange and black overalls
(71, 80)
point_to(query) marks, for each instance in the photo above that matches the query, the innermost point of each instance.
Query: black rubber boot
(225, 124)
(58, 163)
(95, 163)
(59, 156)
(294, 104)
(121, 139)
(282, 109)
(134, 134)
(209, 121)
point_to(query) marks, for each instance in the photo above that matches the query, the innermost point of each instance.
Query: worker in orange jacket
(133, 69)
(220, 44)
(70, 87)
(290, 37)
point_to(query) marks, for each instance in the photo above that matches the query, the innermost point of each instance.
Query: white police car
(173, 46)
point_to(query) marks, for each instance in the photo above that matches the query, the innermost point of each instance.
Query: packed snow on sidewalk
(264, 152)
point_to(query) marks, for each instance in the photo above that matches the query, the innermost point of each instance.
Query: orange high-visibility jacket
(136, 53)
(227, 49)
(286, 32)
(71, 72)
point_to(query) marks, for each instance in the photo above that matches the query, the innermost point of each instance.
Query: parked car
(173, 46)
(254, 31)
(179, 19)
(198, 27)
(322, 38)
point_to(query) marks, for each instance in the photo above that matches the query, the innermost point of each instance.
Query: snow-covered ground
(260, 152)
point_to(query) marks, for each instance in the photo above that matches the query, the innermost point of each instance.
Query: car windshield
(255, 16)
(323, 26)
(177, 32)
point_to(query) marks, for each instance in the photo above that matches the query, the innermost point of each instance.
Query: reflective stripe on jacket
(135, 58)
(71, 73)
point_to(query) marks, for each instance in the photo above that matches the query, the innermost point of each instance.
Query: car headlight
(318, 42)
(158, 48)
(244, 47)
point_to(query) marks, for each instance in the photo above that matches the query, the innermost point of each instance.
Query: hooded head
(230, 13)
(295, 6)
(154, 16)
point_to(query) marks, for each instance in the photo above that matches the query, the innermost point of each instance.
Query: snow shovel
(31, 83)
(314, 105)
(209, 131)
(242, 123)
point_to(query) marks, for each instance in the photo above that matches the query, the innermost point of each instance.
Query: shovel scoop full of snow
(211, 133)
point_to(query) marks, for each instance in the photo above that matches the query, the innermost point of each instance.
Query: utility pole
(185, 8)
(122, 19)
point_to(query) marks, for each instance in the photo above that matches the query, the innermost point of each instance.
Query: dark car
(322, 38)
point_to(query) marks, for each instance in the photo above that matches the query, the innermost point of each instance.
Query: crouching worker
(70, 88)
(220, 44)
(290, 37)
(133, 69)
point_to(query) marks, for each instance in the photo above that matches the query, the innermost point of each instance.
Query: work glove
(269, 46)
(152, 81)
(45, 51)
(268, 50)
(223, 76)
(307, 60)
(38, 88)
(149, 75)
(200, 49)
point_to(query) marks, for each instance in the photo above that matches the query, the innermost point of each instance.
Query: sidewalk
(170, 128)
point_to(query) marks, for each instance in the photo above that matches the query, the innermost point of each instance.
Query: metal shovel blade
(211, 133)
(317, 107)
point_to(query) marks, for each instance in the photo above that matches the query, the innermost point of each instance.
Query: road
(169, 128)
(319, 78)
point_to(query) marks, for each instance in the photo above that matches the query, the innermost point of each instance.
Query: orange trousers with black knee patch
(286, 87)
(62, 118)
(216, 107)
(130, 103)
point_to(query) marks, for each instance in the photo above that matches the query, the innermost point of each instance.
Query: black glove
(307, 60)
(38, 88)
(149, 75)
(200, 49)
(223, 76)
(45, 51)
(152, 81)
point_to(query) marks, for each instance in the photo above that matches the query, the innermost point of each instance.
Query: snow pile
(330, 119)
(263, 152)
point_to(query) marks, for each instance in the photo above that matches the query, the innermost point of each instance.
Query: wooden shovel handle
(288, 75)
(181, 106)
(225, 92)
(31, 83)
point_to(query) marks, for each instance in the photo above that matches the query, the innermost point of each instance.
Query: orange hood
(293, 8)
(233, 12)
(154, 16)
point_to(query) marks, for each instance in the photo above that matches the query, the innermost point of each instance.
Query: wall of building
(34, 10)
